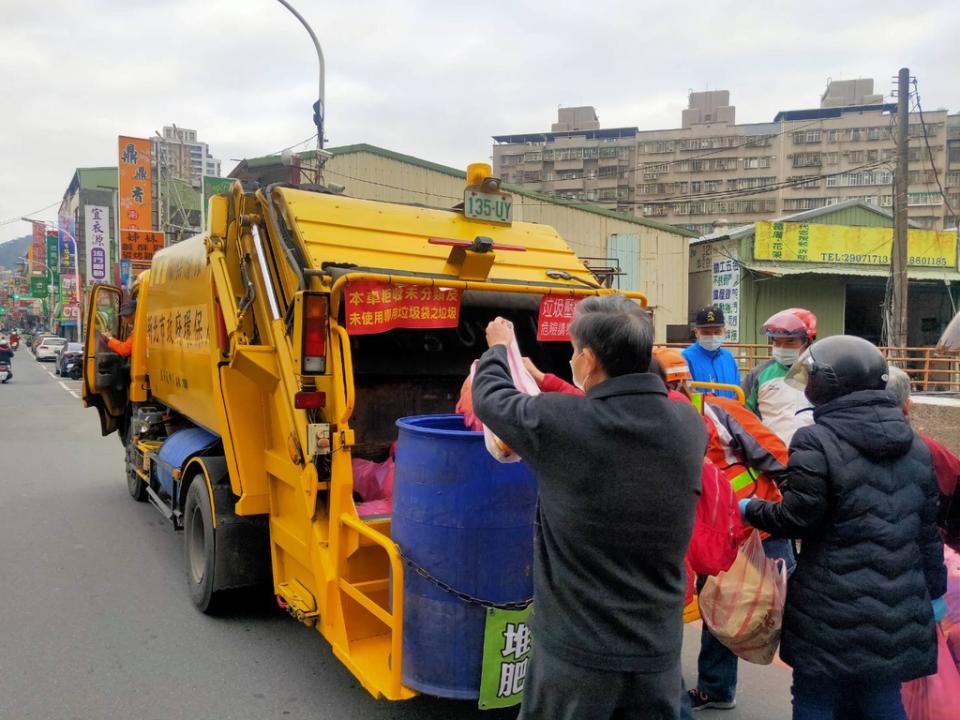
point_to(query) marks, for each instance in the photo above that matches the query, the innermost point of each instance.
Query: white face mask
(710, 343)
(573, 372)
(786, 356)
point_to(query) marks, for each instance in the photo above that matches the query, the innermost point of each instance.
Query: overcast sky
(430, 78)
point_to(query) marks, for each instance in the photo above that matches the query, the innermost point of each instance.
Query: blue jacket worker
(708, 360)
(618, 474)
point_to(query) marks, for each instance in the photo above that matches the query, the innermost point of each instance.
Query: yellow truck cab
(283, 343)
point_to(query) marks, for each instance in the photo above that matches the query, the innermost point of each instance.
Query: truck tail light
(308, 400)
(315, 309)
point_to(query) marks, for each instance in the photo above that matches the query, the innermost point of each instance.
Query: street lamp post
(318, 117)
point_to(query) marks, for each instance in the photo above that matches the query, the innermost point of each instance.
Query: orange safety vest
(725, 450)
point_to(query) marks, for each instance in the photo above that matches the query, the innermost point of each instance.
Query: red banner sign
(556, 314)
(375, 307)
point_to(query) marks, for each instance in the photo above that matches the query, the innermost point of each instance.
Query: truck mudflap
(175, 451)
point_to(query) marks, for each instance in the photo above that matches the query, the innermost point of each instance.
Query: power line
(926, 140)
(20, 217)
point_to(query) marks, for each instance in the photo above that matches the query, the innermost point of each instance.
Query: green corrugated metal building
(846, 298)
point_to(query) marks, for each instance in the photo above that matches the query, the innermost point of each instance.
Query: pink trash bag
(951, 623)
(522, 380)
(743, 607)
(935, 697)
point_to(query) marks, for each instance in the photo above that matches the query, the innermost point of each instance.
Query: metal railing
(928, 371)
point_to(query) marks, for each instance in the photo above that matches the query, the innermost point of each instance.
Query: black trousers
(557, 690)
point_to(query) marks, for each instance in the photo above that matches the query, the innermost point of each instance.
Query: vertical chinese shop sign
(96, 223)
(138, 240)
(375, 307)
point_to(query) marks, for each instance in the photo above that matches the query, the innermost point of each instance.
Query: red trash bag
(935, 697)
(713, 545)
(743, 607)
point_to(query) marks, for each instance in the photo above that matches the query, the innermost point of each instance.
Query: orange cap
(673, 364)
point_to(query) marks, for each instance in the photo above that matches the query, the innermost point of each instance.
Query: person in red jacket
(946, 465)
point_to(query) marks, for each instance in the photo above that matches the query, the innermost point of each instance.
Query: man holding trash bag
(618, 472)
(861, 493)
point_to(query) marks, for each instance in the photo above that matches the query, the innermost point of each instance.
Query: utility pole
(898, 309)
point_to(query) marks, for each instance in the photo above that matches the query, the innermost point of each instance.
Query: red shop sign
(375, 307)
(556, 314)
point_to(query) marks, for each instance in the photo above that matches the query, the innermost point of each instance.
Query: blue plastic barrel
(468, 521)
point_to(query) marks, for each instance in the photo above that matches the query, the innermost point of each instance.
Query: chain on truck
(251, 388)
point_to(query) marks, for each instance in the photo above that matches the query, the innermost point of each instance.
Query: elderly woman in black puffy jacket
(861, 494)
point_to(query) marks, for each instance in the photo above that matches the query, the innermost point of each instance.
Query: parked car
(48, 346)
(70, 351)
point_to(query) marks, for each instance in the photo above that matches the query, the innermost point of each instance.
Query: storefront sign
(140, 245)
(38, 249)
(845, 245)
(375, 307)
(506, 656)
(97, 241)
(38, 286)
(725, 294)
(556, 314)
(136, 197)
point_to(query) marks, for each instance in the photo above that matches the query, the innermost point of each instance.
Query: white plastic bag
(525, 383)
(743, 607)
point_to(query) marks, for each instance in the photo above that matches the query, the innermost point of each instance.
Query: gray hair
(898, 385)
(617, 330)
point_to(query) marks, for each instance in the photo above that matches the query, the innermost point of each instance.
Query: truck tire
(135, 485)
(200, 547)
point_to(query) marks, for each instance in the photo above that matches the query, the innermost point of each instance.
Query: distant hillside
(12, 250)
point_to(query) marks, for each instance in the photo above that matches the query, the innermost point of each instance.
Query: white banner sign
(97, 236)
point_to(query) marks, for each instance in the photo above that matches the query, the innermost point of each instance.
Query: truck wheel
(135, 485)
(199, 546)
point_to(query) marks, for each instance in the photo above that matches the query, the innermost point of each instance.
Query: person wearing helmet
(782, 408)
(860, 491)
(708, 360)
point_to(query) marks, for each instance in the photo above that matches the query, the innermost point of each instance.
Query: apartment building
(180, 155)
(712, 170)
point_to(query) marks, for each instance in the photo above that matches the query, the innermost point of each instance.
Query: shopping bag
(951, 623)
(743, 607)
(522, 380)
(935, 697)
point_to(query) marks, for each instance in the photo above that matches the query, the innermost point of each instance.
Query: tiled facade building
(712, 170)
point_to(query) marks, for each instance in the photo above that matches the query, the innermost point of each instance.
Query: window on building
(754, 163)
(806, 137)
(590, 153)
(696, 186)
(875, 133)
(807, 159)
(915, 199)
(834, 136)
(569, 154)
(608, 152)
(798, 182)
(831, 158)
(758, 141)
(952, 178)
(873, 155)
(532, 157)
(532, 176)
(804, 203)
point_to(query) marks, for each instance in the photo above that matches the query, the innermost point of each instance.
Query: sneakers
(699, 700)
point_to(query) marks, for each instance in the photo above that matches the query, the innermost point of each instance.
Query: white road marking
(63, 385)
(51, 375)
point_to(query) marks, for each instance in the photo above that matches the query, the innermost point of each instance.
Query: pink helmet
(792, 323)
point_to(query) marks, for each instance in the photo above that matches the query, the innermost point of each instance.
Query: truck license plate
(490, 207)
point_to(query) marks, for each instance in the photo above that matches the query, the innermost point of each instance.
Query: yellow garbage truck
(282, 344)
